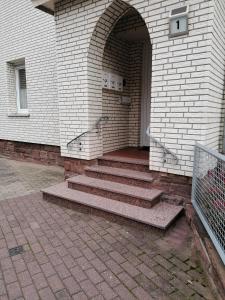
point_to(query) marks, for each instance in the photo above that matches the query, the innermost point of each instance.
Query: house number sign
(179, 21)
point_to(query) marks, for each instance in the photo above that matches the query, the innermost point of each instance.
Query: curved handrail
(165, 149)
(97, 126)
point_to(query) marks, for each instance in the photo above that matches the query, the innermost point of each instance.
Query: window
(21, 89)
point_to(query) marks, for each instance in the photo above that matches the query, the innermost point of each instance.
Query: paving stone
(176, 296)
(62, 295)
(33, 268)
(94, 276)
(6, 263)
(78, 274)
(22, 178)
(14, 290)
(89, 289)
(24, 278)
(62, 271)
(71, 285)
(30, 292)
(55, 283)
(99, 265)
(20, 265)
(114, 267)
(117, 257)
(9, 276)
(40, 281)
(127, 280)
(182, 266)
(124, 293)
(163, 285)
(145, 282)
(46, 293)
(2, 288)
(182, 287)
(110, 278)
(48, 270)
(83, 263)
(159, 294)
(166, 275)
(106, 290)
(99, 297)
(83, 256)
(140, 293)
(147, 260)
(202, 290)
(134, 260)
(146, 271)
(102, 254)
(163, 262)
(130, 269)
(196, 297)
(80, 296)
(185, 277)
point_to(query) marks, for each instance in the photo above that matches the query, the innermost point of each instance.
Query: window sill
(19, 115)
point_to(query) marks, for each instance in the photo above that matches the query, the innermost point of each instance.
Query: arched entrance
(120, 50)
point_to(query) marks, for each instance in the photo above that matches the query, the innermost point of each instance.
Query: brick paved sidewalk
(75, 255)
(19, 178)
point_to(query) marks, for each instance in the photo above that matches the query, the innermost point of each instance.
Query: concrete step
(130, 177)
(117, 191)
(160, 216)
(141, 165)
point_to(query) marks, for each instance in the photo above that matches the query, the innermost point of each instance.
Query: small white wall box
(179, 21)
(125, 100)
(105, 80)
(113, 79)
(119, 83)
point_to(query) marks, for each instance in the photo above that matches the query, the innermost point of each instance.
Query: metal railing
(97, 127)
(208, 194)
(166, 151)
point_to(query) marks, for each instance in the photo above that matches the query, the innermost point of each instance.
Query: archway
(120, 47)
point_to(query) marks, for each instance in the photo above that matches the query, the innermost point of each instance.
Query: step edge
(158, 193)
(128, 161)
(95, 169)
(60, 195)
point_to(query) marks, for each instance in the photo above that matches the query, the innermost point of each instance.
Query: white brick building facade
(28, 34)
(187, 89)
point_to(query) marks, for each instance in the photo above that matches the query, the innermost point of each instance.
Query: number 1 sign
(179, 22)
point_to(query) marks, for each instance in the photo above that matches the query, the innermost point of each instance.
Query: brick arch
(102, 30)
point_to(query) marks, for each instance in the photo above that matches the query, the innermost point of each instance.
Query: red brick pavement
(75, 255)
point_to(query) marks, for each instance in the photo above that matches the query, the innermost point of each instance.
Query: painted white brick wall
(187, 79)
(115, 134)
(29, 33)
(216, 104)
(180, 79)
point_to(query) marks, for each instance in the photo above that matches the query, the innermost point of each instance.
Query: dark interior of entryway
(128, 53)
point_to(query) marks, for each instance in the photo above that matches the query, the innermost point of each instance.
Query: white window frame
(19, 109)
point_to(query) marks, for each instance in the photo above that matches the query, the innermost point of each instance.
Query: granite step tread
(128, 160)
(131, 174)
(118, 188)
(160, 216)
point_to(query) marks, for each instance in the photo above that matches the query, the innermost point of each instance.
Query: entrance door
(146, 94)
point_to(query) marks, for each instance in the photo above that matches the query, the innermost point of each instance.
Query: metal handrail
(97, 126)
(165, 149)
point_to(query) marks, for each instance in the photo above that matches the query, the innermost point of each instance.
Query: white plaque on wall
(105, 80)
(179, 21)
(119, 84)
(113, 80)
